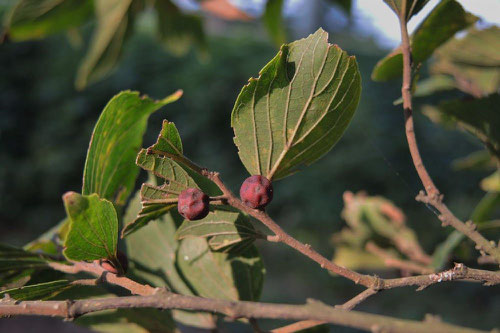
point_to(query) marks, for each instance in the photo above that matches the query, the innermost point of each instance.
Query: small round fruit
(110, 266)
(256, 191)
(193, 204)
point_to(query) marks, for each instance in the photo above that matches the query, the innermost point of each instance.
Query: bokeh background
(45, 127)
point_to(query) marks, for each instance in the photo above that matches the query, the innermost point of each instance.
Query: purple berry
(193, 204)
(256, 191)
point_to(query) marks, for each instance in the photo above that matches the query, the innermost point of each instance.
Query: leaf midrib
(289, 144)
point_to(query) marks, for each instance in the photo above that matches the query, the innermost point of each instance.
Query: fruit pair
(255, 192)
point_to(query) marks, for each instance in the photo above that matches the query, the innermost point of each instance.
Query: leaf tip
(178, 93)
(70, 197)
(72, 201)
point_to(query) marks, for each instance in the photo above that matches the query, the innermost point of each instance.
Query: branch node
(422, 197)
(471, 225)
(444, 220)
(273, 238)
(377, 284)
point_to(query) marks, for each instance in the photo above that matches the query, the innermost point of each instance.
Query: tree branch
(305, 324)
(432, 195)
(316, 312)
(10, 307)
(459, 272)
(167, 300)
(103, 275)
(281, 236)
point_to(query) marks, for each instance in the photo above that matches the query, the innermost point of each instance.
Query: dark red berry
(193, 204)
(256, 191)
(111, 267)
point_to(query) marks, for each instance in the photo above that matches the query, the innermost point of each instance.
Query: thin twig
(167, 300)
(460, 272)
(305, 324)
(162, 299)
(95, 269)
(391, 260)
(368, 281)
(361, 297)
(431, 195)
(468, 228)
(298, 326)
(281, 236)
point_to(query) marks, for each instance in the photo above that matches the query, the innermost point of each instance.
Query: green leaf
(93, 230)
(169, 140)
(157, 200)
(477, 48)
(110, 170)
(11, 252)
(177, 31)
(152, 250)
(37, 291)
(297, 109)
(18, 265)
(221, 275)
(477, 116)
(129, 321)
(51, 241)
(412, 7)
(447, 18)
(491, 183)
(472, 60)
(443, 251)
(149, 212)
(177, 174)
(107, 40)
(222, 229)
(354, 258)
(33, 19)
(169, 145)
(478, 160)
(273, 21)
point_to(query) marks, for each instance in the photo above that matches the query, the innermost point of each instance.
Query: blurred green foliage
(45, 127)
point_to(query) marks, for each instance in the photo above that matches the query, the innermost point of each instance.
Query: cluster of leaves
(287, 118)
(373, 219)
(470, 64)
(375, 222)
(113, 25)
(114, 22)
(291, 115)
